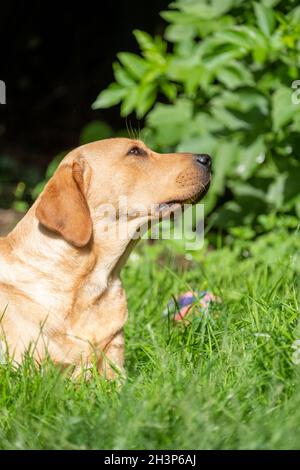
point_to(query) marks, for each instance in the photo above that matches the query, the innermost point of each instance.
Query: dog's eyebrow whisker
(127, 128)
(132, 131)
(136, 134)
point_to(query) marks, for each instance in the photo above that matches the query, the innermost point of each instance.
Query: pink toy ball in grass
(179, 308)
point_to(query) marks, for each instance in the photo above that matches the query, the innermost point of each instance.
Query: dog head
(119, 172)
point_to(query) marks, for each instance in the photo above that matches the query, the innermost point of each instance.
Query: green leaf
(243, 189)
(207, 11)
(275, 195)
(265, 17)
(270, 3)
(134, 64)
(36, 191)
(228, 120)
(169, 89)
(250, 158)
(243, 100)
(205, 143)
(144, 40)
(20, 206)
(215, 60)
(297, 206)
(223, 163)
(234, 75)
(242, 232)
(52, 167)
(282, 108)
(238, 35)
(109, 97)
(146, 98)
(130, 101)
(121, 76)
(180, 32)
(178, 17)
(170, 122)
(95, 130)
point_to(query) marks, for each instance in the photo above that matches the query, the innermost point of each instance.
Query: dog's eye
(138, 151)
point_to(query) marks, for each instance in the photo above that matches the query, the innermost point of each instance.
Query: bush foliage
(221, 81)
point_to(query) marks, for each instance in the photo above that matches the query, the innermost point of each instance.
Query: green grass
(225, 381)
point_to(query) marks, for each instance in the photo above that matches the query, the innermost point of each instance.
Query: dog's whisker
(127, 128)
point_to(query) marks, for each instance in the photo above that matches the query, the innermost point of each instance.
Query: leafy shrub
(220, 81)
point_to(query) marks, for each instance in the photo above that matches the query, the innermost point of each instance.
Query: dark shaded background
(55, 59)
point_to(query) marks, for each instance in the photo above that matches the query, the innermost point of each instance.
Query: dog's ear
(63, 208)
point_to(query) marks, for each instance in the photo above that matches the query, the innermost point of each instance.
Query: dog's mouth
(169, 207)
(172, 206)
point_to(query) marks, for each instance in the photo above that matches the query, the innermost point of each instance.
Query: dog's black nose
(204, 160)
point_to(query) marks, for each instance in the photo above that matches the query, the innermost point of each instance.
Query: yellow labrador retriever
(60, 289)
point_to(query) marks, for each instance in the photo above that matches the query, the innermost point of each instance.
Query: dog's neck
(91, 270)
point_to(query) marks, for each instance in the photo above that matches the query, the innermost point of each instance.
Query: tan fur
(60, 289)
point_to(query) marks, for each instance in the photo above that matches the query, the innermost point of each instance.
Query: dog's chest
(90, 331)
(68, 336)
